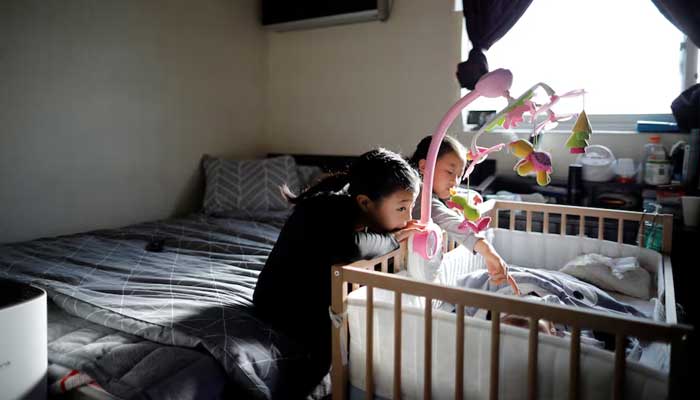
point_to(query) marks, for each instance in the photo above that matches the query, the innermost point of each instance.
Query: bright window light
(624, 53)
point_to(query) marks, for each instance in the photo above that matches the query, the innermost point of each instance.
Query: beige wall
(345, 89)
(106, 107)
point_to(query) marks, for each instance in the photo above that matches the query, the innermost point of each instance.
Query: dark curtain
(487, 21)
(684, 14)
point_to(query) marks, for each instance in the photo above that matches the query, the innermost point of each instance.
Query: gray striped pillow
(250, 185)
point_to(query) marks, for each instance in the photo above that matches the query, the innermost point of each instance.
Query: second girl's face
(392, 212)
(448, 174)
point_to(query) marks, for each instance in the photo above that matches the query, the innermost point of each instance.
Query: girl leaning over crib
(449, 169)
(361, 214)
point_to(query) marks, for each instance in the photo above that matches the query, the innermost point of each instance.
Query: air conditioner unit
(285, 15)
(23, 348)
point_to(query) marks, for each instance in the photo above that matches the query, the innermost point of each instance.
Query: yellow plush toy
(531, 161)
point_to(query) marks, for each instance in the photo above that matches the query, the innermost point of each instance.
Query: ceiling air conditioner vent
(285, 15)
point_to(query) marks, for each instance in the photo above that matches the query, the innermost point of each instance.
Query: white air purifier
(23, 348)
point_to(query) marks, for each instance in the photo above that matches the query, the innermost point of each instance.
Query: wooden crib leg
(532, 359)
(339, 373)
(369, 352)
(427, 374)
(495, 352)
(618, 384)
(397, 345)
(574, 362)
(459, 353)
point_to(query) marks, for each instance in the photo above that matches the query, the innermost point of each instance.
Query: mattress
(547, 251)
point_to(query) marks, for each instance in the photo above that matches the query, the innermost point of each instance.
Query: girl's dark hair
(376, 174)
(449, 144)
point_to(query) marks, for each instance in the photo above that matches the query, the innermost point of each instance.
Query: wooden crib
(378, 273)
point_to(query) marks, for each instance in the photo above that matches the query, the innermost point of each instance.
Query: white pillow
(623, 275)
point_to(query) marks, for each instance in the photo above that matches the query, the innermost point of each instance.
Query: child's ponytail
(331, 183)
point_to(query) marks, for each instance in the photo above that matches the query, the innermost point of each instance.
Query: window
(624, 53)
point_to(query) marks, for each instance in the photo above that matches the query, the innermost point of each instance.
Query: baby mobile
(532, 159)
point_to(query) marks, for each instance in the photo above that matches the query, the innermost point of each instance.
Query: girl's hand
(411, 227)
(497, 268)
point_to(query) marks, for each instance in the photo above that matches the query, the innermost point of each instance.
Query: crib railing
(599, 214)
(619, 326)
(375, 274)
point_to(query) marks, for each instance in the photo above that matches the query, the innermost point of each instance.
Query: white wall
(106, 107)
(345, 89)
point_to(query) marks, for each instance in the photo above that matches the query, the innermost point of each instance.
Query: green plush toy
(462, 203)
(580, 135)
(472, 216)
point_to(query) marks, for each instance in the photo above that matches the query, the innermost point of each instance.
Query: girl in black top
(361, 214)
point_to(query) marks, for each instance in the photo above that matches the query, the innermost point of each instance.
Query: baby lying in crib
(552, 287)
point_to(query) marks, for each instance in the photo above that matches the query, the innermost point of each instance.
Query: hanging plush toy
(468, 205)
(580, 135)
(495, 84)
(479, 156)
(539, 162)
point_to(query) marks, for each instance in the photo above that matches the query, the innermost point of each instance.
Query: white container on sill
(598, 164)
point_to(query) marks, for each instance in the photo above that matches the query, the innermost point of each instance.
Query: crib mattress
(547, 251)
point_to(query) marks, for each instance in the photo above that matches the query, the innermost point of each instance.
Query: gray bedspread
(196, 293)
(131, 366)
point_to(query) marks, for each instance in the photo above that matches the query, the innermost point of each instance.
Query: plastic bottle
(656, 167)
(653, 230)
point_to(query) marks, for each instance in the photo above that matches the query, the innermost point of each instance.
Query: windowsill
(613, 124)
(520, 132)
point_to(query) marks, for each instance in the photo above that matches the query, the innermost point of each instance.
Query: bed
(420, 352)
(163, 309)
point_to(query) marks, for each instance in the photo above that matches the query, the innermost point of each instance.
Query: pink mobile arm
(433, 151)
(494, 84)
